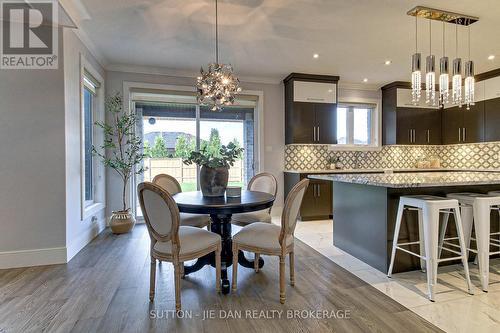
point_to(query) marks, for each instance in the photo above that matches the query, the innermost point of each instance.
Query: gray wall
(273, 125)
(32, 171)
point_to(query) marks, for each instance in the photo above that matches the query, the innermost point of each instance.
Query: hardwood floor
(105, 288)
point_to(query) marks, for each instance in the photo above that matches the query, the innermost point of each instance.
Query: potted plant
(214, 173)
(122, 152)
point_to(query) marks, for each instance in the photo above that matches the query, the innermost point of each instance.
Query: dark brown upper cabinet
(464, 126)
(492, 119)
(405, 123)
(310, 109)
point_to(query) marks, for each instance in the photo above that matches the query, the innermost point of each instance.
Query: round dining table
(220, 210)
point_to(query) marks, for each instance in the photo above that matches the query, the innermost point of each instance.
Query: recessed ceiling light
(387, 62)
(315, 56)
(491, 57)
(365, 80)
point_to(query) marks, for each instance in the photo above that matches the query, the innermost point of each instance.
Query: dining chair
(172, 186)
(262, 182)
(171, 242)
(271, 239)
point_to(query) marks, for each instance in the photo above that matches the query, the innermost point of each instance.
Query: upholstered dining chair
(262, 182)
(172, 186)
(171, 242)
(270, 239)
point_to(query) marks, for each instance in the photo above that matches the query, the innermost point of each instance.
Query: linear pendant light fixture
(217, 86)
(430, 78)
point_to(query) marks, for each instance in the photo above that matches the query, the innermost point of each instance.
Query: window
(89, 91)
(356, 124)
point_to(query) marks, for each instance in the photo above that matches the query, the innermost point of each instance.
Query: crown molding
(77, 12)
(152, 70)
(358, 86)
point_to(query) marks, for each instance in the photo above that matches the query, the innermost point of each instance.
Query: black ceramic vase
(213, 181)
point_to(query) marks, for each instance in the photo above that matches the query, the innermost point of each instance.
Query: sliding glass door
(171, 131)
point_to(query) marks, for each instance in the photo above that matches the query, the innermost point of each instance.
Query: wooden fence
(182, 172)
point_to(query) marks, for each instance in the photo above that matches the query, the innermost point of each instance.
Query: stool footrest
(410, 252)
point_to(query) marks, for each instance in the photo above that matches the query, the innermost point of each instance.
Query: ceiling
(268, 39)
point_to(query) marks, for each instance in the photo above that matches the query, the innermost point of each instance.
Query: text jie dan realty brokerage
(251, 314)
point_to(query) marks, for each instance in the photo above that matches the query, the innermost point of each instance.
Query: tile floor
(454, 310)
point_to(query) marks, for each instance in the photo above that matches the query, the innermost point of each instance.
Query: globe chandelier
(218, 86)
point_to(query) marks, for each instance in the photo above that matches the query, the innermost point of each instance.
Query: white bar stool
(476, 208)
(429, 207)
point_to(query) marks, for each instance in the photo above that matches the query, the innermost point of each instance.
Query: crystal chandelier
(218, 85)
(456, 83)
(444, 77)
(469, 80)
(416, 73)
(430, 73)
(459, 95)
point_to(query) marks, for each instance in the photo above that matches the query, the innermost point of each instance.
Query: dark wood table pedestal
(220, 210)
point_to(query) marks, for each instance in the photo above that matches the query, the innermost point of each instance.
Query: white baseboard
(36, 257)
(81, 241)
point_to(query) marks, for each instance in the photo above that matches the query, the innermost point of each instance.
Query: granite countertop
(416, 179)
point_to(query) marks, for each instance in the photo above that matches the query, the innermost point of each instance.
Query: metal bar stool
(476, 208)
(429, 207)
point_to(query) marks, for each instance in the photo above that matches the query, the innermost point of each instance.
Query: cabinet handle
(318, 134)
(428, 136)
(414, 136)
(464, 136)
(314, 134)
(409, 135)
(459, 135)
(319, 190)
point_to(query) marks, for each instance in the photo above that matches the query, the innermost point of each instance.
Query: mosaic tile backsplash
(466, 156)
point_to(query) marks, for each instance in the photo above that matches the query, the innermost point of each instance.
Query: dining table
(220, 210)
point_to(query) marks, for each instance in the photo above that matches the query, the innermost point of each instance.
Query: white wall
(274, 120)
(78, 232)
(32, 172)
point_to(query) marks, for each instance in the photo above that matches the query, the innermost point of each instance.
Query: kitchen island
(365, 207)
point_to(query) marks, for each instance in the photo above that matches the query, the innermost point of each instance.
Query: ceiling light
(491, 57)
(365, 80)
(315, 56)
(387, 62)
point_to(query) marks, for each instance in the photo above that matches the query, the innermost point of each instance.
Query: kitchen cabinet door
(326, 123)
(427, 125)
(324, 199)
(404, 126)
(308, 208)
(492, 119)
(473, 123)
(302, 122)
(453, 121)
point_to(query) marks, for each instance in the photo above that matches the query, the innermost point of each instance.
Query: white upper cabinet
(314, 92)
(404, 100)
(492, 88)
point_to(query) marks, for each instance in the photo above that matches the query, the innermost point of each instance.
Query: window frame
(92, 80)
(376, 128)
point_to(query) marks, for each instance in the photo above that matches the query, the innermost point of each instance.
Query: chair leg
(152, 279)
(177, 278)
(442, 232)
(181, 266)
(482, 227)
(421, 240)
(235, 267)
(256, 262)
(217, 268)
(463, 248)
(431, 242)
(282, 280)
(292, 269)
(399, 217)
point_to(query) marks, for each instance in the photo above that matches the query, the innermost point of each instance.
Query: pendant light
(430, 73)
(217, 86)
(444, 76)
(416, 73)
(469, 79)
(456, 89)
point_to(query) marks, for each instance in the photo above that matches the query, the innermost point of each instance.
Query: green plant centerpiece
(214, 172)
(121, 151)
